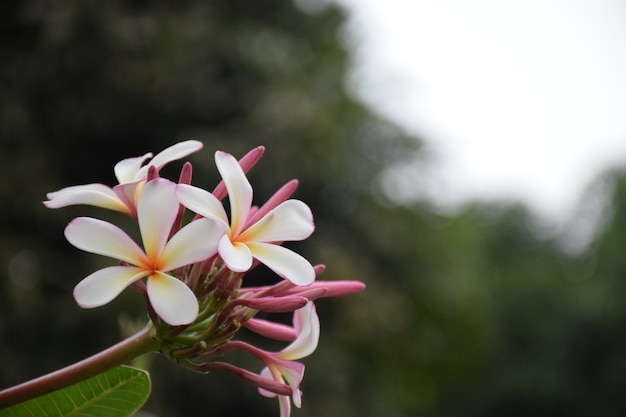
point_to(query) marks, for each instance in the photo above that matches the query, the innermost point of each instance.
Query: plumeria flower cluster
(192, 274)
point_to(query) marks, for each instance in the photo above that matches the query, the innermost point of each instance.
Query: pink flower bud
(273, 304)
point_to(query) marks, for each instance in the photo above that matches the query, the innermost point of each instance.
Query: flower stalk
(138, 344)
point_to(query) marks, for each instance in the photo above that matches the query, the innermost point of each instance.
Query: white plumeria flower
(281, 366)
(131, 176)
(157, 207)
(289, 221)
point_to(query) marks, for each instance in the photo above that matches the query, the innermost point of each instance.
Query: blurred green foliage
(469, 314)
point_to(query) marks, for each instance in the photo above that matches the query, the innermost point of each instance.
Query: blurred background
(484, 310)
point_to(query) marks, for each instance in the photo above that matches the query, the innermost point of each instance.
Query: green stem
(128, 349)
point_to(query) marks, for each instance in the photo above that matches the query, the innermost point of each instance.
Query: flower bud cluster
(192, 274)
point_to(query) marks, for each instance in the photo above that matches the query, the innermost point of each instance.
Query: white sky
(516, 99)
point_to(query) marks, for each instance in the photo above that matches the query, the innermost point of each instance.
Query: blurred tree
(85, 84)
(472, 314)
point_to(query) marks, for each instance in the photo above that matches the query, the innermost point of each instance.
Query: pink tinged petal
(307, 325)
(103, 238)
(128, 194)
(91, 194)
(283, 401)
(156, 211)
(246, 162)
(195, 242)
(105, 284)
(239, 190)
(127, 169)
(279, 197)
(286, 263)
(290, 221)
(173, 153)
(171, 299)
(284, 405)
(202, 202)
(236, 255)
(293, 373)
(271, 329)
(289, 371)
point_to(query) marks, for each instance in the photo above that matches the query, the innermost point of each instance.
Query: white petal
(294, 378)
(156, 210)
(202, 202)
(291, 220)
(103, 238)
(105, 284)
(91, 194)
(292, 372)
(193, 243)
(237, 256)
(307, 324)
(284, 405)
(128, 193)
(171, 299)
(127, 169)
(283, 400)
(239, 190)
(173, 153)
(286, 263)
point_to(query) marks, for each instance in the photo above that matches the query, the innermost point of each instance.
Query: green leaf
(119, 392)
